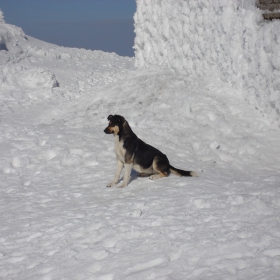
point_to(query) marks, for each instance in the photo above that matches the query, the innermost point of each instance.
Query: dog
(133, 153)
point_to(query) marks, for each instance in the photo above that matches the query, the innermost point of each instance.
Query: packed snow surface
(58, 219)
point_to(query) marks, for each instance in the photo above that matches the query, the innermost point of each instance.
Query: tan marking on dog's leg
(157, 176)
(117, 175)
(159, 173)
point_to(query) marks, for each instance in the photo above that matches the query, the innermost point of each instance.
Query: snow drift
(225, 39)
(14, 71)
(28, 63)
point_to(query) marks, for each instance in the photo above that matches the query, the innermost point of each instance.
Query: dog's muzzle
(107, 130)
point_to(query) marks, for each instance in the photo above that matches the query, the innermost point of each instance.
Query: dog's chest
(119, 149)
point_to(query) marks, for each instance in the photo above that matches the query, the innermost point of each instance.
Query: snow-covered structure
(226, 39)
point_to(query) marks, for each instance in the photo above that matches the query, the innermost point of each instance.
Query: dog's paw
(122, 186)
(110, 185)
(156, 176)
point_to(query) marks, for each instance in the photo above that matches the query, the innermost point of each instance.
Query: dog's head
(115, 124)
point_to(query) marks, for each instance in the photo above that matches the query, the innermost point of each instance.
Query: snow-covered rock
(225, 39)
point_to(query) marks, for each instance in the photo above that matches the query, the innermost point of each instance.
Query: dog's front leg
(117, 175)
(126, 176)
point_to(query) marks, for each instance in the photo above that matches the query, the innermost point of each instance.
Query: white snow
(59, 221)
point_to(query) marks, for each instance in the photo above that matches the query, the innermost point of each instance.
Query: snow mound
(226, 40)
(27, 77)
(14, 72)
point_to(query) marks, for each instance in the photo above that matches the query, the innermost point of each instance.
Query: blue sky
(91, 24)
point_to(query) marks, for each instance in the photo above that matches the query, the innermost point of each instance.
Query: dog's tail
(180, 172)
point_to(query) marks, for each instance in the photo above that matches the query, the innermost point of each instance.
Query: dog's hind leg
(117, 175)
(126, 175)
(161, 167)
(157, 176)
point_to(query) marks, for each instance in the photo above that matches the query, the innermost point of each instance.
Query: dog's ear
(120, 119)
(110, 117)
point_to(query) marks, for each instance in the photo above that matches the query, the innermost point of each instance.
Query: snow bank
(15, 73)
(27, 77)
(225, 39)
(28, 63)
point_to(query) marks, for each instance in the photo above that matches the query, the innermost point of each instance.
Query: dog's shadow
(133, 176)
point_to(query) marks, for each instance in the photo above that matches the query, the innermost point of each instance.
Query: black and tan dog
(132, 152)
